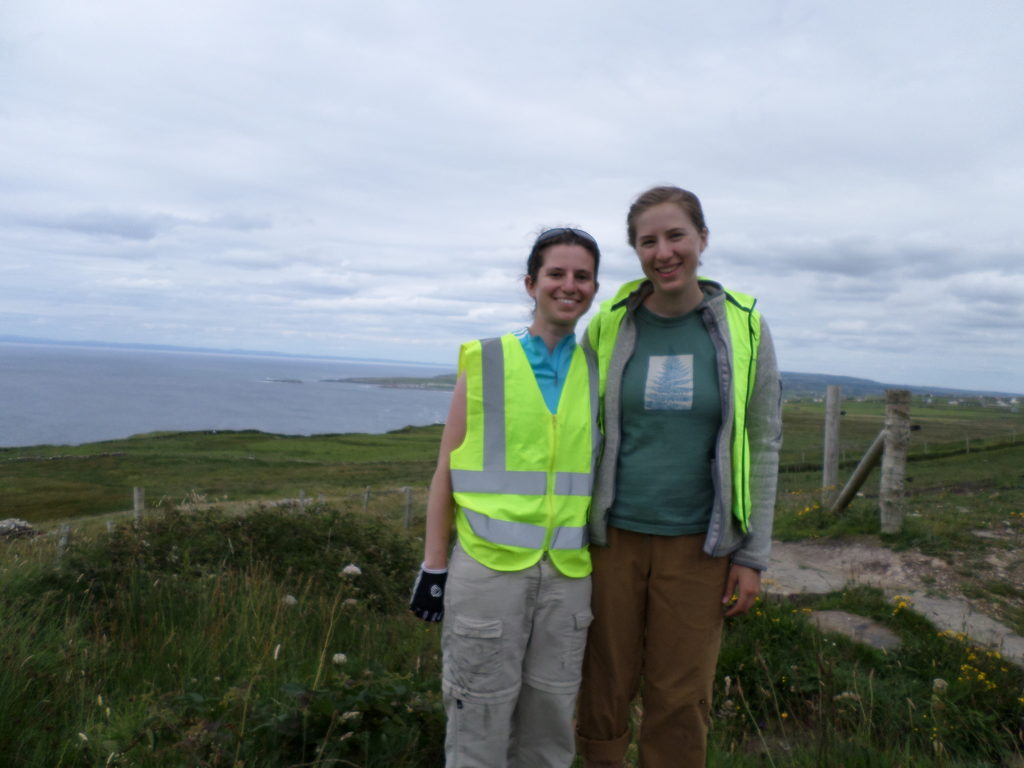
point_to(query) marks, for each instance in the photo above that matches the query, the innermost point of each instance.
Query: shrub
(298, 546)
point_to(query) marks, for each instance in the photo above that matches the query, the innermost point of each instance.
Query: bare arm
(440, 505)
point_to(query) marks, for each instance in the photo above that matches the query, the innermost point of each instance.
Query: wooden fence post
(138, 502)
(830, 463)
(860, 474)
(894, 459)
(366, 498)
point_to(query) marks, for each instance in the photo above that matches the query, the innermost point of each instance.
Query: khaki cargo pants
(513, 647)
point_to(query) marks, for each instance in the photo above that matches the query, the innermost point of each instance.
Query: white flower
(289, 600)
(351, 570)
(350, 715)
(350, 601)
(339, 658)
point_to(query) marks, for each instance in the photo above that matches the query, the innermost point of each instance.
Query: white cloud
(366, 180)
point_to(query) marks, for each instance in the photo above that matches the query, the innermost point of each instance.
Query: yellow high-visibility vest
(523, 476)
(744, 337)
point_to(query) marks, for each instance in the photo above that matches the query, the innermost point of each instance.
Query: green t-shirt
(671, 414)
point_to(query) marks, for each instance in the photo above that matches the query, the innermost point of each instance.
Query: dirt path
(931, 584)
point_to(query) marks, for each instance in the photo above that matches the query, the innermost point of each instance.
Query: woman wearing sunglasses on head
(684, 492)
(515, 471)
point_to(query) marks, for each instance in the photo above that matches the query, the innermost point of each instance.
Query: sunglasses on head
(551, 234)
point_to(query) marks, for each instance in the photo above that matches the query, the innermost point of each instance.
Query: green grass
(204, 639)
(795, 697)
(943, 429)
(48, 483)
(56, 482)
(208, 639)
(172, 644)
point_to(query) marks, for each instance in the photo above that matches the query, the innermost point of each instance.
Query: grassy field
(42, 483)
(942, 428)
(58, 482)
(222, 633)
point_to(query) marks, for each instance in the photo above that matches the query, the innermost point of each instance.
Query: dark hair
(687, 201)
(559, 236)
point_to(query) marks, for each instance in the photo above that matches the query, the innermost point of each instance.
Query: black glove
(428, 594)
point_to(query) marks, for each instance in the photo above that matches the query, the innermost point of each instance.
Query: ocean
(68, 395)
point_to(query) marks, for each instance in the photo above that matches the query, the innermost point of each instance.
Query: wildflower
(289, 600)
(902, 602)
(82, 736)
(351, 601)
(339, 658)
(785, 715)
(939, 685)
(350, 715)
(846, 696)
(352, 570)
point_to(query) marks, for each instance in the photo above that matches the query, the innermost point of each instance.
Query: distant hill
(796, 385)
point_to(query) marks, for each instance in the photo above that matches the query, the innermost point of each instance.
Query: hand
(745, 584)
(428, 594)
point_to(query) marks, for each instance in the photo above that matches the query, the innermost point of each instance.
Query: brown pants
(657, 604)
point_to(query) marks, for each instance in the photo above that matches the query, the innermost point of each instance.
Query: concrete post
(138, 502)
(894, 460)
(830, 462)
(63, 539)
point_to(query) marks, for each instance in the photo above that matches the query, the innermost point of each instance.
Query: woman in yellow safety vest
(515, 472)
(684, 493)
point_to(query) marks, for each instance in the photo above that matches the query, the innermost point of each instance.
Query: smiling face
(563, 289)
(669, 246)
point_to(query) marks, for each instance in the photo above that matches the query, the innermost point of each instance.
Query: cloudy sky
(365, 179)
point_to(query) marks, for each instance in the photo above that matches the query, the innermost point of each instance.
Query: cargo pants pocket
(473, 654)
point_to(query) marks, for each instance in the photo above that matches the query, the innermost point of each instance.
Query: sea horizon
(74, 393)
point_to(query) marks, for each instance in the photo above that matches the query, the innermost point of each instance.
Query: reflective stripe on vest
(494, 478)
(512, 534)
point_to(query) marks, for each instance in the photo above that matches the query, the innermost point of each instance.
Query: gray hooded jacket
(764, 425)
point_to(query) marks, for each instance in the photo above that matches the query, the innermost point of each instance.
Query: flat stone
(856, 628)
(808, 568)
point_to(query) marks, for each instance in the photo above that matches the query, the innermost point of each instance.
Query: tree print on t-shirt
(669, 383)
